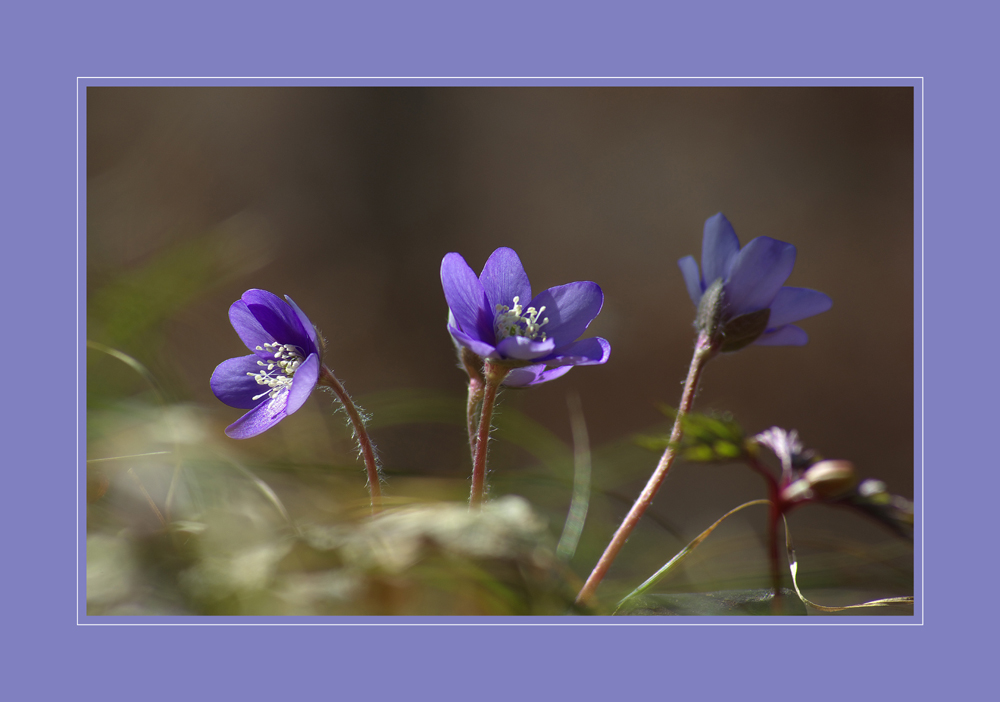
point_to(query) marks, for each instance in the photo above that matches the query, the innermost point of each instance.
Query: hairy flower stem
(476, 390)
(473, 365)
(328, 379)
(493, 376)
(703, 351)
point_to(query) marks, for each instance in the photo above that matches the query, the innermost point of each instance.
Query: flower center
(516, 321)
(277, 374)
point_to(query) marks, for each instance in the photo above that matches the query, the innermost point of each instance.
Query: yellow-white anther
(516, 321)
(279, 379)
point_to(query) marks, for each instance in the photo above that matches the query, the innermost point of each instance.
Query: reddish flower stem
(703, 351)
(778, 508)
(774, 516)
(328, 379)
(494, 375)
(473, 365)
(476, 388)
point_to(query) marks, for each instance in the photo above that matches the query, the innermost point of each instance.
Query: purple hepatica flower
(752, 279)
(490, 316)
(276, 379)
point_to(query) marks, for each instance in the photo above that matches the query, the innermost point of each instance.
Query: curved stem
(328, 379)
(703, 351)
(494, 375)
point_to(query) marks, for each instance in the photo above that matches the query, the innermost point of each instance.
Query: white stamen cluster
(277, 374)
(516, 321)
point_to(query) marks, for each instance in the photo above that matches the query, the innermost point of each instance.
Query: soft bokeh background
(347, 199)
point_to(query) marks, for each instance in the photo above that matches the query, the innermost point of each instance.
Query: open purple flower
(277, 378)
(496, 317)
(752, 280)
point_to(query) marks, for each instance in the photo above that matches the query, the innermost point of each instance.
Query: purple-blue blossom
(753, 279)
(496, 317)
(277, 378)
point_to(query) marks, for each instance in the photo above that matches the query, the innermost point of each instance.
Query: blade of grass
(580, 501)
(793, 566)
(658, 575)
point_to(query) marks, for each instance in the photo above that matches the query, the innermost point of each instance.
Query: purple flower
(276, 379)
(752, 279)
(496, 317)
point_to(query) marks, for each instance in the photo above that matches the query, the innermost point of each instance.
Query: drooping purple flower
(495, 316)
(752, 279)
(277, 378)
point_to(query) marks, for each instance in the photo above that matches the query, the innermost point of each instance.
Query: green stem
(703, 351)
(494, 375)
(328, 379)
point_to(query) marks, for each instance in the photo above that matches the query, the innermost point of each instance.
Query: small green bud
(744, 330)
(710, 310)
(728, 334)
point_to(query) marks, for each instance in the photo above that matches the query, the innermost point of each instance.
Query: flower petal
(466, 298)
(278, 319)
(524, 349)
(585, 352)
(570, 309)
(788, 335)
(304, 321)
(232, 384)
(260, 419)
(719, 247)
(792, 304)
(534, 375)
(692, 278)
(503, 279)
(248, 328)
(758, 272)
(477, 347)
(303, 383)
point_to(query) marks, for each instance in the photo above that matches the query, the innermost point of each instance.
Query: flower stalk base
(328, 379)
(703, 351)
(492, 378)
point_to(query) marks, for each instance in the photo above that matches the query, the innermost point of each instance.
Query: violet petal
(534, 375)
(524, 349)
(303, 383)
(692, 278)
(260, 419)
(570, 309)
(232, 384)
(477, 347)
(278, 319)
(304, 321)
(758, 272)
(788, 335)
(719, 248)
(585, 352)
(792, 304)
(503, 279)
(467, 299)
(248, 328)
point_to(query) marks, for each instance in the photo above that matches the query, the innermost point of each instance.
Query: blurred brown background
(347, 199)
